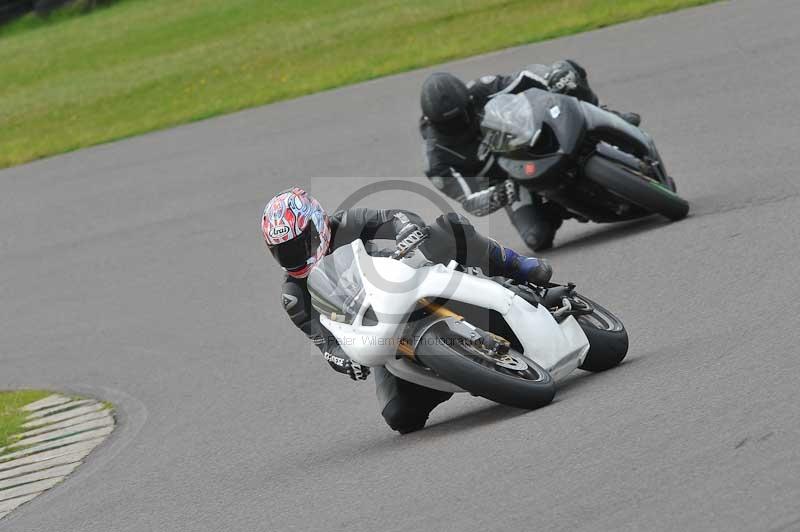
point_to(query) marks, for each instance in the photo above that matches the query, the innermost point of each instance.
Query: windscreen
(508, 123)
(335, 285)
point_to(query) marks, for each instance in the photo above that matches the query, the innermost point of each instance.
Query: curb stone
(61, 432)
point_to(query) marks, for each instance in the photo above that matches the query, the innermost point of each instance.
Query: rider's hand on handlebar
(507, 192)
(408, 238)
(491, 199)
(406, 231)
(563, 80)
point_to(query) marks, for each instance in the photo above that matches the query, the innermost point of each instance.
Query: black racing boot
(633, 119)
(508, 263)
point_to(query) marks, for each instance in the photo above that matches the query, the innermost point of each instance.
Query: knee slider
(400, 417)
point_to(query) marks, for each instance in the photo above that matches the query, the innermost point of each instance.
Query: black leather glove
(406, 231)
(491, 199)
(563, 80)
(408, 239)
(341, 363)
(568, 77)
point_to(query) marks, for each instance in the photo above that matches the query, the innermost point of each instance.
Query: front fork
(656, 164)
(437, 312)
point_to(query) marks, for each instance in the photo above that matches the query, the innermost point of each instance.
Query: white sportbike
(453, 329)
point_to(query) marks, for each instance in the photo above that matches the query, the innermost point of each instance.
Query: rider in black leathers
(405, 406)
(450, 126)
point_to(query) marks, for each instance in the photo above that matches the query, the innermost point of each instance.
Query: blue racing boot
(634, 119)
(508, 263)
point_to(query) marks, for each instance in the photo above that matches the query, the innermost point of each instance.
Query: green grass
(11, 417)
(138, 65)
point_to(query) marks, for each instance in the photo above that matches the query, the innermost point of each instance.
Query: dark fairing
(562, 115)
(610, 128)
(560, 126)
(544, 141)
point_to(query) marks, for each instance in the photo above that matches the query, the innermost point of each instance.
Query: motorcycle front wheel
(635, 187)
(509, 379)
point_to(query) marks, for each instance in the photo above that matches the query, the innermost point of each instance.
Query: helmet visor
(453, 125)
(294, 254)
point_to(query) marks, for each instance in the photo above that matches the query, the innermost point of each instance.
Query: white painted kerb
(61, 432)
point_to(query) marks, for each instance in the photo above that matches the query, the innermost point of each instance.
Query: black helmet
(446, 103)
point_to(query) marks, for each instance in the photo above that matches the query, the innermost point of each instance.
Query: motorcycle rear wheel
(608, 339)
(459, 361)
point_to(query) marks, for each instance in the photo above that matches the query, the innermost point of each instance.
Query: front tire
(608, 339)
(636, 188)
(457, 360)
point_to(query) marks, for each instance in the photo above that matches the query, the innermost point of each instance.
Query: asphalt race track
(135, 272)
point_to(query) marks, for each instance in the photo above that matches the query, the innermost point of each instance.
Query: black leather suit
(453, 163)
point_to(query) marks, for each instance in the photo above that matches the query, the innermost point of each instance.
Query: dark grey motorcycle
(589, 161)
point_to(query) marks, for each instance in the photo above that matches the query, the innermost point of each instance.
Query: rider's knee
(452, 236)
(455, 226)
(452, 219)
(403, 419)
(410, 406)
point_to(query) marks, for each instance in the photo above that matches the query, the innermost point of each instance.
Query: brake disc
(510, 362)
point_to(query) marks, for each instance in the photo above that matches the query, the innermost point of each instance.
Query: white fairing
(393, 289)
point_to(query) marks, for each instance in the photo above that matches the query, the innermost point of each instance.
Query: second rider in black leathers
(450, 127)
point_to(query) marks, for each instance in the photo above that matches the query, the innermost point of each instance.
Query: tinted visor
(294, 254)
(454, 125)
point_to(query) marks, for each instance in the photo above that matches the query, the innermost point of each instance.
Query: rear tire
(636, 188)
(608, 339)
(457, 361)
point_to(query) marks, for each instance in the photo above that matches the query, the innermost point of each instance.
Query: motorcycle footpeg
(571, 307)
(554, 295)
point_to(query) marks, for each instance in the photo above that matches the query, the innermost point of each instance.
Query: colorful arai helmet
(296, 231)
